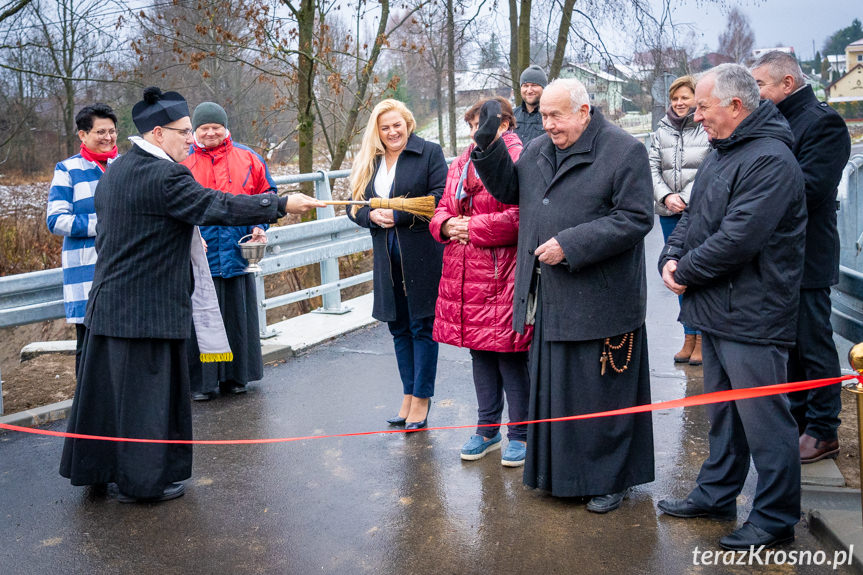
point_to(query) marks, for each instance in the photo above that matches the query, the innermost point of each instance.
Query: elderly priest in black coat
(148, 287)
(584, 194)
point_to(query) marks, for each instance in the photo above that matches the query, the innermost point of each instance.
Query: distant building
(708, 61)
(838, 64)
(473, 85)
(853, 54)
(758, 52)
(605, 90)
(849, 87)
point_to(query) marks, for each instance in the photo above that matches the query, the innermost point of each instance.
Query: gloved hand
(489, 123)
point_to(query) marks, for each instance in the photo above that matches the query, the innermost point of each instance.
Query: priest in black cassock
(584, 196)
(151, 281)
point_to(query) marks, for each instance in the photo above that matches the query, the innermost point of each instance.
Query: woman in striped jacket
(71, 212)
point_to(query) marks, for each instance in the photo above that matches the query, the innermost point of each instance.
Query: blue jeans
(668, 223)
(416, 351)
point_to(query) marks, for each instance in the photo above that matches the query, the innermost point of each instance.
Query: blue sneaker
(476, 447)
(514, 454)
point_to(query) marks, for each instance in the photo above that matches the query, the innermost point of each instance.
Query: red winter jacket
(474, 305)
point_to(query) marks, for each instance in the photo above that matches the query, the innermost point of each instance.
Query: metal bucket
(252, 252)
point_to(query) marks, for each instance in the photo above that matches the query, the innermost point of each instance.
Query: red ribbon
(703, 399)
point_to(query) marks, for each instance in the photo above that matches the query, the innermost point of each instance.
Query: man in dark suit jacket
(134, 377)
(585, 204)
(822, 146)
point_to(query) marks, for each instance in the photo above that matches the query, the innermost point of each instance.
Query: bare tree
(71, 45)
(738, 39)
(11, 7)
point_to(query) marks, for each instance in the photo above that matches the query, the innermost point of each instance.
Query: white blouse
(384, 178)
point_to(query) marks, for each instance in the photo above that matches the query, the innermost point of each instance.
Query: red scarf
(101, 159)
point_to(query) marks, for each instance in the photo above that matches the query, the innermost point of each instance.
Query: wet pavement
(390, 503)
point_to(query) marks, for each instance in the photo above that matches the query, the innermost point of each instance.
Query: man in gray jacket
(585, 204)
(737, 258)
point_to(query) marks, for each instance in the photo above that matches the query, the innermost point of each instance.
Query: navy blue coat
(421, 171)
(822, 146)
(740, 242)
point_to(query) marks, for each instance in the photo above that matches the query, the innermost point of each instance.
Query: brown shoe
(812, 450)
(695, 358)
(682, 356)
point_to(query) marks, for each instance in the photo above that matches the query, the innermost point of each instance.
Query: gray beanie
(209, 113)
(533, 74)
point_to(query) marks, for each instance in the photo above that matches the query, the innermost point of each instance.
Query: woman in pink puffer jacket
(474, 305)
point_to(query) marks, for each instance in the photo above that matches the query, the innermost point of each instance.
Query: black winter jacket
(421, 172)
(740, 241)
(822, 146)
(527, 125)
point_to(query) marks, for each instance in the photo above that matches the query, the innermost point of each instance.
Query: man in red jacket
(217, 162)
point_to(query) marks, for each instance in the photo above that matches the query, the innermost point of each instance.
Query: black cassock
(239, 307)
(130, 387)
(590, 456)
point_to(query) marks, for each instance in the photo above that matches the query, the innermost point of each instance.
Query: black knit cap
(158, 109)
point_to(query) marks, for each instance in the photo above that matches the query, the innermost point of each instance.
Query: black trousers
(816, 411)
(761, 428)
(495, 374)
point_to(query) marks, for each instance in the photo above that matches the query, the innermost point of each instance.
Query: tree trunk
(514, 70)
(305, 92)
(524, 36)
(450, 40)
(439, 96)
(562, 37)
(362, 86)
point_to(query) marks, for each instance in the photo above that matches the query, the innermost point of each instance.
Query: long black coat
(822, 146)
(421, 171)
(147, 209)
(740, 242)
(599, 207)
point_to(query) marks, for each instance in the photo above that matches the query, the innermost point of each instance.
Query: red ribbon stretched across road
(703, 399)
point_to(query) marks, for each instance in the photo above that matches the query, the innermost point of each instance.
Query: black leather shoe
(233, 388)
(172, 491)
(606, 503)
(686, 509)
(199, 396)
(417, 424)
(397, 420)
(750, 535)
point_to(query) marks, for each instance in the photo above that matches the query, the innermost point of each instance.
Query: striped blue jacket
(71, 213)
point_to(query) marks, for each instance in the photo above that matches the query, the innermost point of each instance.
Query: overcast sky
(794, 23)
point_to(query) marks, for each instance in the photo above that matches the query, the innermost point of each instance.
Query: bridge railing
(38, 296)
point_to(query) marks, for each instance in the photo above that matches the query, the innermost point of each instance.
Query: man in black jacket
(737, 258)
(822, 146)
(134, 377)
(528, 122)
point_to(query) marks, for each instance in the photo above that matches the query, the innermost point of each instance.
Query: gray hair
(734, 81)
(577, 92)
(781, 64)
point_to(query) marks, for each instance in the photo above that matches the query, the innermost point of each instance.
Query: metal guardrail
(38, 296)
(847, 296)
